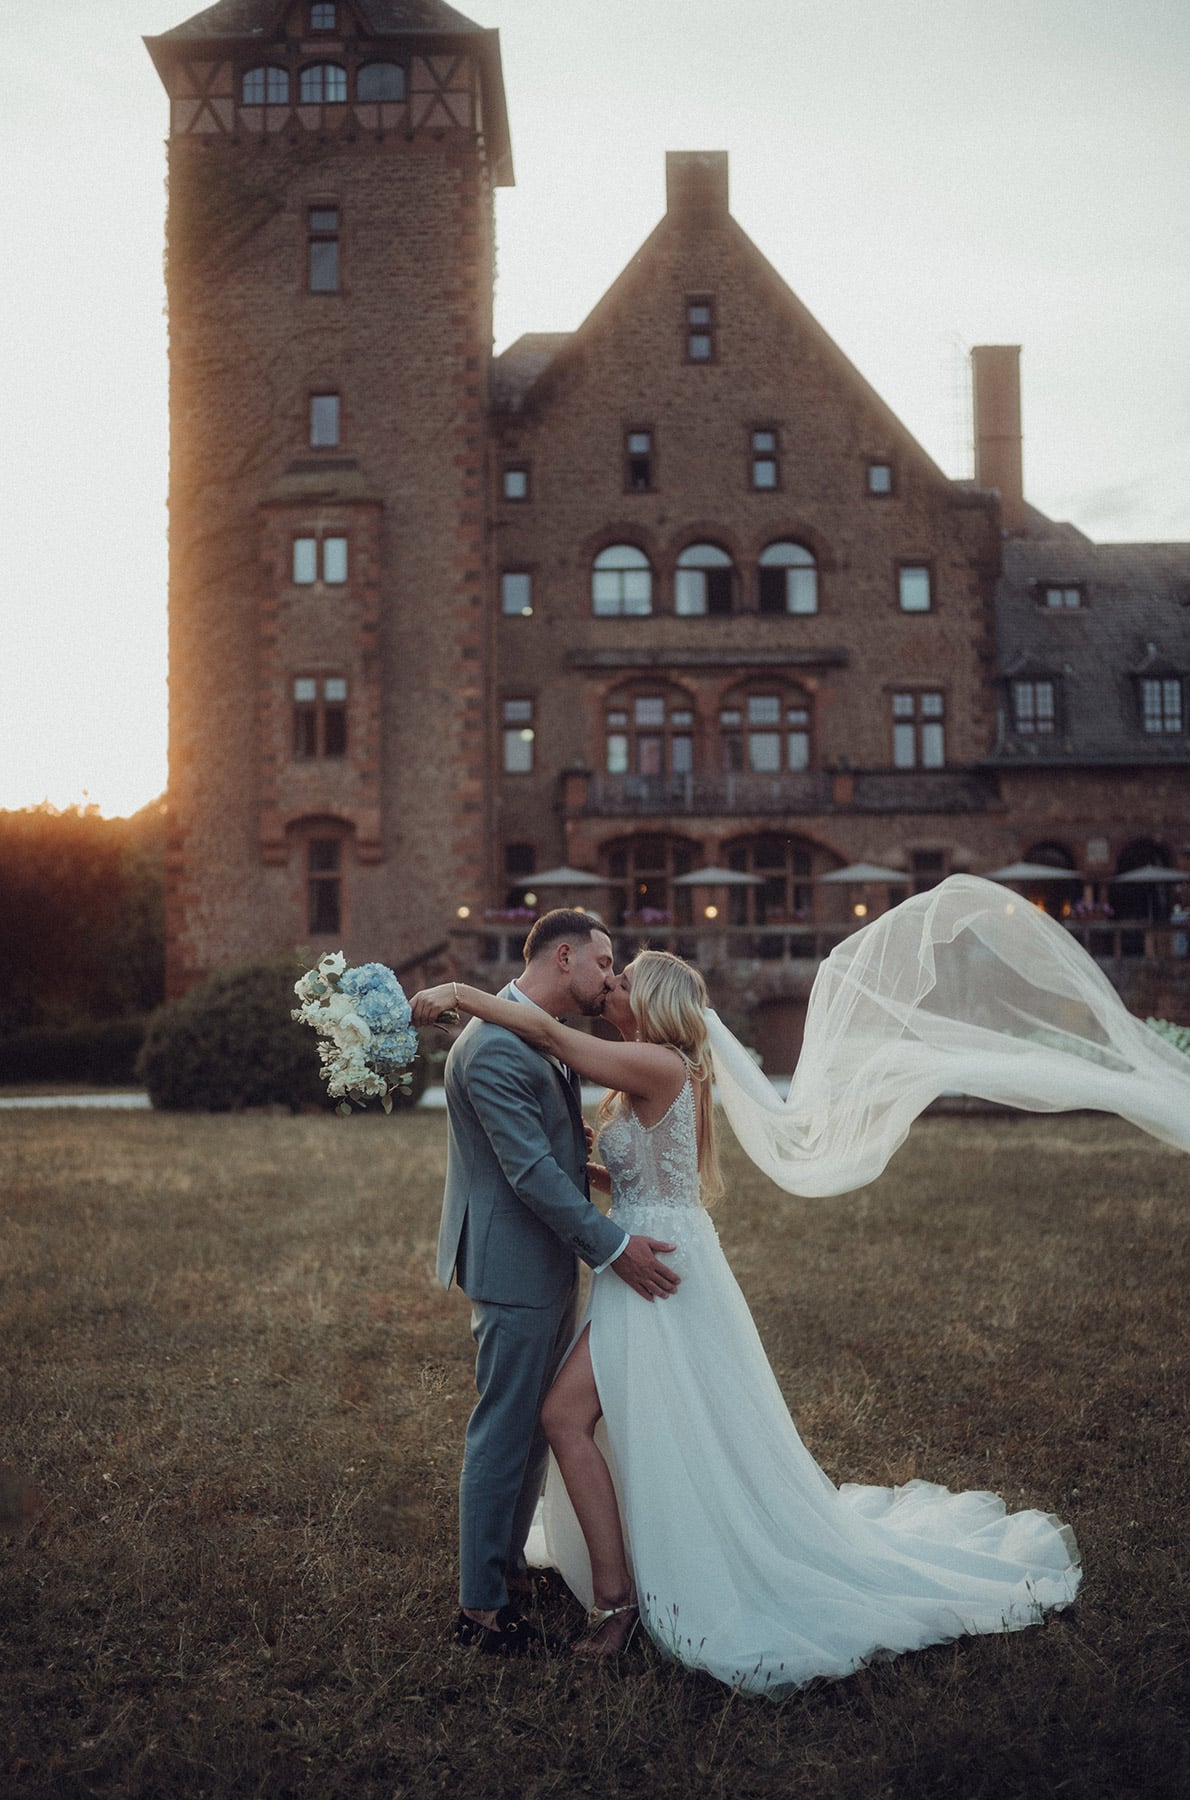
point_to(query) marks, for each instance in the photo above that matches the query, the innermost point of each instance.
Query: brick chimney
(996, 374)
(696, 185)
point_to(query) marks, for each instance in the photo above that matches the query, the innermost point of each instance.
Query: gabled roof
(524, 375)
(257, 18)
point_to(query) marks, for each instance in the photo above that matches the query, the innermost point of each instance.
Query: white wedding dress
(749, 1563)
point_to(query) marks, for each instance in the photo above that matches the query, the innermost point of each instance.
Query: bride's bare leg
(570, 1415)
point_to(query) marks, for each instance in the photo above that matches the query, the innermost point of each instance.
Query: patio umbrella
(712, 877)
(856, 874)
(560, 878)
(1028, 871)
(1151, 872)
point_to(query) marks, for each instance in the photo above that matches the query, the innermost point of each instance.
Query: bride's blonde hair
(669, 1003)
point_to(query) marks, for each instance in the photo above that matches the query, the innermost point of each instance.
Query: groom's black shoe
(511, 1635)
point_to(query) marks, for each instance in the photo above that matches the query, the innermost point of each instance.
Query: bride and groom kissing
(648, 1448)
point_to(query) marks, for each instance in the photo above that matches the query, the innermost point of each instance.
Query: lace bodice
(653, 1165)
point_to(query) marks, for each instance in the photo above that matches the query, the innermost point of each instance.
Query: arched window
(621, 583)
(765, 731)
(641, 873)
(649, 731)
(705, 581)
(1140, 899)
(380, 81)
(323, 83)
(785, 869)
(788, 579)
(266, 86)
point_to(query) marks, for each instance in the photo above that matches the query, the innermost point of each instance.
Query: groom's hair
(562, 922)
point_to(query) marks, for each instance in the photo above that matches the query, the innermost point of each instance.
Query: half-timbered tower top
(272, 66)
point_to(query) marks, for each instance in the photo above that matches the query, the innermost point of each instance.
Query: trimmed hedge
(231, 1043)
(103, 1052)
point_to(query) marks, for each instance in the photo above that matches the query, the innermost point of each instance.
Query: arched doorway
(1057, 897)
(1141, 899)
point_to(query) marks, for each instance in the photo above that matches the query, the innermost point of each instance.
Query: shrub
(102, 1051)
(230, 1043)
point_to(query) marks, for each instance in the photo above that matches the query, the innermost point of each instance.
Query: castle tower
(331, 175)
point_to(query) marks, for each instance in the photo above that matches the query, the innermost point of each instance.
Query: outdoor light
(462, 912)
(711, 912)
(860, 910)
(530, 899)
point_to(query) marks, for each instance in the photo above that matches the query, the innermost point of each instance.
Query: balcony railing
(814, 791)
(637, 794)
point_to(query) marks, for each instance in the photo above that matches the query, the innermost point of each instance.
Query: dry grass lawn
(239, 1399)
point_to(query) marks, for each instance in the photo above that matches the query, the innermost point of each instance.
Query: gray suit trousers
(519, 1349)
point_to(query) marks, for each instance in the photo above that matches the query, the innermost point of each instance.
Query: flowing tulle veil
(966, 989)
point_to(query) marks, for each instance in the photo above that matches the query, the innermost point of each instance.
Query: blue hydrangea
(379, 997)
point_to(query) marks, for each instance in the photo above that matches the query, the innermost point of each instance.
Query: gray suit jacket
(515, 1213)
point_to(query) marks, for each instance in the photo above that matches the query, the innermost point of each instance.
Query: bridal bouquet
(364, 1019)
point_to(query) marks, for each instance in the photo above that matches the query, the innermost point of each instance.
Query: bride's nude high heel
(599, 1616)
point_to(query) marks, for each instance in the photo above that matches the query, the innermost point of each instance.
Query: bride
(680, 1493)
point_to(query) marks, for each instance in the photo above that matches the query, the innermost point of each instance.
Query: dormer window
(1161, 709)
(1061, 599)
(322, 18)
(1034, 708)
(323, 84)
(880, 478)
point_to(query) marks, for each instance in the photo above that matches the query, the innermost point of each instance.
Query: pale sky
(926, 176)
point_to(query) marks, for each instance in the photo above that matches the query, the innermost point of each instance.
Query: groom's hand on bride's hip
(638, 1265)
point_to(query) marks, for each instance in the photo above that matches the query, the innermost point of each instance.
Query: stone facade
(675, 590)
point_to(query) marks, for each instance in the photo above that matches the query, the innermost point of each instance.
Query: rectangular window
(681, 753)
(880, 478)
(309, 556)
(516, 594)
(319, 716)
(700, 330)
(324, 421)
(617, 753)
(914, 588)
(1033, 708)
(324, 859)
(764, 752)
(764, 460)
(638, 462)
(305, 561)
(517, 718)
(322, 249)
(649, 710)
(322, 16)
(334, 561)
(919, 740)
(516, 482)
(1161, 704)
(1062, 599)
(798, 739)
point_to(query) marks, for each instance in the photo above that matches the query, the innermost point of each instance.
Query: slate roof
(1134, 621)
(516, 369)
(257, 18)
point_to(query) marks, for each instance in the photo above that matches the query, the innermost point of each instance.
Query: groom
(516, 1215)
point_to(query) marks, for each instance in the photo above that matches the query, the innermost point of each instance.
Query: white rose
(350, 1032)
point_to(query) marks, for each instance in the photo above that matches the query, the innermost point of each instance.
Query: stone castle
(673, 601)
